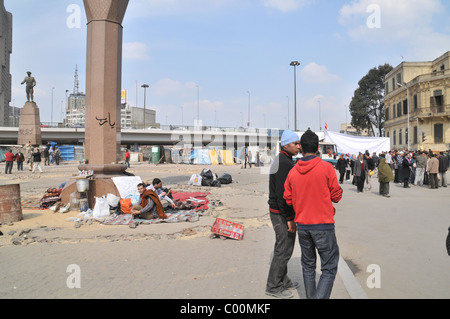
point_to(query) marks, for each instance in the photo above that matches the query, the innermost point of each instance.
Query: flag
(326, 126)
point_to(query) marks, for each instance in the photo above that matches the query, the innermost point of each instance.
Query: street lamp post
(145, 86)
(295, 64)
(407, 103)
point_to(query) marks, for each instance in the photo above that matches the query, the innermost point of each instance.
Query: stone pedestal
(29, 125)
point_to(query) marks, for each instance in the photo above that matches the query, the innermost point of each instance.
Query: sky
(229, 56)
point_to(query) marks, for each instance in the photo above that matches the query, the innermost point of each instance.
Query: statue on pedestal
(31, 83)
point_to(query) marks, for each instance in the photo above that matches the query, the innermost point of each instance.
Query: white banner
(349, 144)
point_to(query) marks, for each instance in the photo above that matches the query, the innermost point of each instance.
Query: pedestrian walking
(46, 155)
(421, 164)
(407, 165)
(9, 160)
(385, 176)
(282, 217)
(127, 158)
(57, 155)
(20, 158)
(433, 170)
(311, 188)
(360, 171)
(443, 167)
(36, 160)
(341, 167)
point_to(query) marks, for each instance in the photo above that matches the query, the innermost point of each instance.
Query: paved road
(402, 238)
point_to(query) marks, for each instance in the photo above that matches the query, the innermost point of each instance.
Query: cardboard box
(228, 229)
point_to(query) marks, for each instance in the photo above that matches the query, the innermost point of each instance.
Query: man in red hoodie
(9, 159)
(311, 188)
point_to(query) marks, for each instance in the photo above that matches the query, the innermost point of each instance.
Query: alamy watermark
(374, 19)
(374, 279)
(74, 19)
(74, 279)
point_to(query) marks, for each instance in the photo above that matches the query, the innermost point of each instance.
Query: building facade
(5, 53)
(76, 110)
(417, 110)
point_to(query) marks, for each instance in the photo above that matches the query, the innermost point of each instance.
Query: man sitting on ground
(163, 194)
(149, 206)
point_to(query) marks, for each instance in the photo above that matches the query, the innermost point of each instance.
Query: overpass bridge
(197, 136)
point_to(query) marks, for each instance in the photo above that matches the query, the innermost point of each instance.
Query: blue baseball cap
(289, 137)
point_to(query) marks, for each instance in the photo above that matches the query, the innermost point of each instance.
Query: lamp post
(145, 86)
(407, 103)
(295, 64)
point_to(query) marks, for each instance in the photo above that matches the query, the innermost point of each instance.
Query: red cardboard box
(228, 229)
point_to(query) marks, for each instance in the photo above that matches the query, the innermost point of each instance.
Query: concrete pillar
(103, 80)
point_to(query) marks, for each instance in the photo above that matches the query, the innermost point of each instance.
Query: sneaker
(285, 294)
(293, 286)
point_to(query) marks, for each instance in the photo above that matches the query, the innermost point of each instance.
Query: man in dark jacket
(282, 217)
(443, 167)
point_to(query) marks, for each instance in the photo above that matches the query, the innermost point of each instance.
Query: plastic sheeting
(349, 144)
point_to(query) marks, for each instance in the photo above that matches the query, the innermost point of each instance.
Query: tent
(349, 144)
(214, 156)
(227, 157)
(200, 156)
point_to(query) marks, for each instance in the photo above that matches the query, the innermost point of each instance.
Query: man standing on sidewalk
(282, 217)
(421, 165)
(311, 188)
(9, 159)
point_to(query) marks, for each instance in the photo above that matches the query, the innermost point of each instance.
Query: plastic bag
(126, 206)
(225, 179)
(101, 208)
(195, 180)
(113, 200)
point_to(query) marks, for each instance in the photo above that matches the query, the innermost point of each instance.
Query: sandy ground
(42, 223)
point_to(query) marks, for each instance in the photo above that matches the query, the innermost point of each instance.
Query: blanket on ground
(190, 200)
(173, 217)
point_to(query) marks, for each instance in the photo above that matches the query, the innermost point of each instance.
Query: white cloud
(135, 51)
(171, 88)
(285, 5)
(408, 23)
(314, 73)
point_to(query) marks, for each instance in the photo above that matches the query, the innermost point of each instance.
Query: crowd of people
(33, 156)
(402, 167)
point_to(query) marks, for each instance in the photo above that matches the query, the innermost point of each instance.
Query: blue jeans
(326, 244)
(284, 247)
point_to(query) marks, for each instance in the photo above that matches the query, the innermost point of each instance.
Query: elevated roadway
(197, 137)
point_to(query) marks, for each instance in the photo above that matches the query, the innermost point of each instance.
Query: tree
(367, 105)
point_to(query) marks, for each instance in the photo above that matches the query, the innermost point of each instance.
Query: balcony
(442, 111)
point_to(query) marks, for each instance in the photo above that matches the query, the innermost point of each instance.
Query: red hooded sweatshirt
(311, 188)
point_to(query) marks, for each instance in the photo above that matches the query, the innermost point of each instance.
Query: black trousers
(284, 247)
(360, 182)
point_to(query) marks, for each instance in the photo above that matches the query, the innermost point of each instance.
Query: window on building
(400, 141)
(416, 105)
(387, 114)
(438, 133)
(394, 86)
(399, 109)
(406, 136)
(394, 136)
(442, 67)
(386, 88)
(399, 78)
(393, 111)
(405, 106)
(437, 102)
